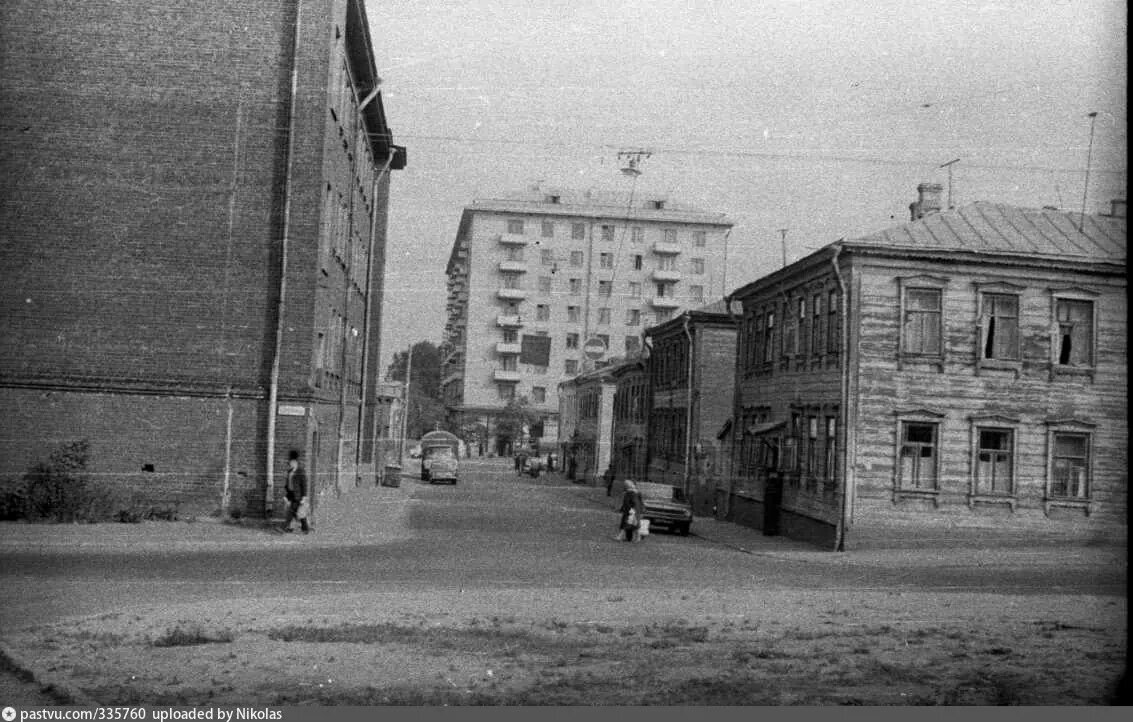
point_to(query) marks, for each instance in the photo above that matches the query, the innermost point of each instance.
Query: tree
(517, 414)
(426, 412)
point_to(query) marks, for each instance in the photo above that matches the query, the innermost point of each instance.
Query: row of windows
(994, 460)
(577, 259)
(633, 316)
(807, 447)
(668, 365)
(629, 402)
(663, 289)
(801, 325)
(668, 431)
(607, 232)
(506, 392)
(1001, 319)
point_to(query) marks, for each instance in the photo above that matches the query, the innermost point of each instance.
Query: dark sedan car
(665, 506)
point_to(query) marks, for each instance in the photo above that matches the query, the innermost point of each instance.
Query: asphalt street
(496, 530)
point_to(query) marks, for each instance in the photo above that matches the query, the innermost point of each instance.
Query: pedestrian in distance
(629, 527)
(295, 490)
(520, 462)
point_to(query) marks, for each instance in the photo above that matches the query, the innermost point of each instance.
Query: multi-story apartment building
(193, 219)
(964, 374)
(537, 278)
(691, 380)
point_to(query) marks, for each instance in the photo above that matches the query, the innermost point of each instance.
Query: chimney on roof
(928, 200)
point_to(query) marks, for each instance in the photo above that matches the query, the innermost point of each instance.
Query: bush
(57, 489)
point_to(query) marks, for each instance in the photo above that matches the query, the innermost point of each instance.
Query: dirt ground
(631, 647)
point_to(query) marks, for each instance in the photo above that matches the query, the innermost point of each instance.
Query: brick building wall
(145, 149)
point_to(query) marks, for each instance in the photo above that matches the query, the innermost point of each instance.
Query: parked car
(665, 506)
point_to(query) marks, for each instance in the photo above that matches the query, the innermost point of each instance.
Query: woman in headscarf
(632, 509)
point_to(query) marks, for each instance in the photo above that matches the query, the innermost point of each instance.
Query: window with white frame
(574, 314)
(604, 316)
(607, 233)
(544, 284)
(547, 257)
(606, 260)
(576, 286)
(696, 293)
(670, 235)
(697, 265)
(637, 235)
(921, 329)
(999, 326)
(667, 263)
(633, 317)
(605, 288)
(918, 456)
(570, 366)
(699, 238)
(995, 461)
(578, 231)
(542, 312)
(572, 340)
(1069, 476)
(548, 229)
(515, 226)
(515, 253)
(576, 258)
(634, 289)
(1074, 342)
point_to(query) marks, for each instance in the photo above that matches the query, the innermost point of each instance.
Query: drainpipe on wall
(737, 408)
(688, 409)
(843, 406)
(369, 305)
(273, 392)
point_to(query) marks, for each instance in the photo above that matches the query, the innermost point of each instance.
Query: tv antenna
(949, 165)
(631, 159)
(1089, 156)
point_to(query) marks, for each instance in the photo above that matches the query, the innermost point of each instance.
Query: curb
(49, 684)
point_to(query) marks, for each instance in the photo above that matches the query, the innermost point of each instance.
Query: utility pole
(783, 233)
(949, 165)
(1089, 156)
(405, 405)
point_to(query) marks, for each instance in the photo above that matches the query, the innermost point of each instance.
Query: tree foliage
(426, 410)
(517, 414)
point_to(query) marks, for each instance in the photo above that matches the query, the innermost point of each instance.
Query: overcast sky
(818, 117)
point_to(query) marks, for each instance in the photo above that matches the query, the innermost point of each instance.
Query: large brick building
(962, 375)
(193, 223)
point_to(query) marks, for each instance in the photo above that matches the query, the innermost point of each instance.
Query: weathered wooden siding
(960, 389)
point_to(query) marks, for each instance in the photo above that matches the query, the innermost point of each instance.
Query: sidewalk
(752, 541)
(361, 515)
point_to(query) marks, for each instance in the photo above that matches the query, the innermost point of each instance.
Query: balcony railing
(512, 239)
(509, 320)
(505, 375)
(664, 302)
(666, 248)
(512, 294)
(507, 348)
(665, 274)
(513, 266)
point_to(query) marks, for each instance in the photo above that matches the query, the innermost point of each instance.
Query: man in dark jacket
(296, 492)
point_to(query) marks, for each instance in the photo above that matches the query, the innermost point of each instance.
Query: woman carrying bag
(631, 510)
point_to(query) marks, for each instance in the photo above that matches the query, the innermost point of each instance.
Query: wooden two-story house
(960, 376)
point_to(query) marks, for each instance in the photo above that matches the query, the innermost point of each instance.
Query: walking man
(298, 507)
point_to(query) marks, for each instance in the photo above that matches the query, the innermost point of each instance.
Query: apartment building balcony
(513, 266)
(505, 375)
(665, 302)
(512, 294)
(509, 321)
(666, 248)
(511, 239)
(664, 274)
(507, 348)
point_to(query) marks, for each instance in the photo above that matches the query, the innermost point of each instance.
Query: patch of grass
(191, 635)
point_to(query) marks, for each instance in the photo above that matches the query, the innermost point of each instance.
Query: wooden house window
(995, 461)
(831, 460)
(768, 342)
(1070, 466)
(1075, 340)
(918, 456)
(1000, 327)
(922, 326)
(816, 326)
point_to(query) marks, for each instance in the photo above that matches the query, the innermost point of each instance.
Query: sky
(812, 116)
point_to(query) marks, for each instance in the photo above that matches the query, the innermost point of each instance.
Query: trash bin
(392, 475)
